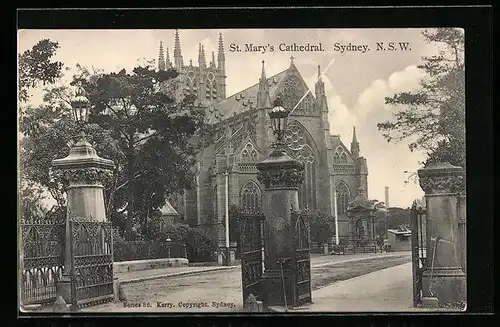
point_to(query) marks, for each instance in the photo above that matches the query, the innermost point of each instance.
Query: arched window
(248, 154)
(250, 196)
(296, 139)
(342, 198)
(343, 158)
(307, 192)
(336, 157)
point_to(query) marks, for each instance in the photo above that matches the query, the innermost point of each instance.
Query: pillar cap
(442, 178)
(280, 171)
(82, 155)
(440, 168)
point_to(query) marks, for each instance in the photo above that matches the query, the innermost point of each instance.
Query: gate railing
(42, 255)
(302, 261)
(418, 250)
(251, 233)
(91, 262)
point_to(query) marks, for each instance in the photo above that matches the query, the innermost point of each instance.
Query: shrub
(200, 247)
(321, 227)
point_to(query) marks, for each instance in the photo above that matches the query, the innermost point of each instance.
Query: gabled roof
(235, 104)
(337, 142)
(168, 210)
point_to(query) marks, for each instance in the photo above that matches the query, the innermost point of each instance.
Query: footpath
(143, 275)
(316, 261)
(386, 290)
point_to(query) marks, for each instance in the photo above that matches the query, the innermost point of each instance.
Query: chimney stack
(387, 196)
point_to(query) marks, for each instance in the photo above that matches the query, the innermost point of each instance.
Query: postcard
(242, 170)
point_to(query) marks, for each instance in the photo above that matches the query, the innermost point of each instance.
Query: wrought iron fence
(144, 250)
(252, 256)
(91, 262)
(302, 260)
(42, 258)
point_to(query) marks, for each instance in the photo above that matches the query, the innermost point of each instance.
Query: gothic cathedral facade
(243, 134)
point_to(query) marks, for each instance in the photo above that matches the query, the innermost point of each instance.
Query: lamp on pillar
(82, 173)
(279, 119)
(80, 105)
(281, 176)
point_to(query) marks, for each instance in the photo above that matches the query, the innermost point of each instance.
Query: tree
(35, 66)
(321, 227)
(155, 134)
(398, 217)
(135, 122)
(433, 117)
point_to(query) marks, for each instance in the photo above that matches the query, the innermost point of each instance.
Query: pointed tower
(177, 51)
(354, 144)
(201, 57)
(212, 62)
(161, 58)
(319, 87)
(221, 67)
(263, 107)
(168, 63)
(221, 58)
(263, 98)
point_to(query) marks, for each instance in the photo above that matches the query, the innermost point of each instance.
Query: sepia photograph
(241, 170)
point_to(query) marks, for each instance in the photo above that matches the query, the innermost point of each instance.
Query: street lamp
(80, 105)
(279, 118)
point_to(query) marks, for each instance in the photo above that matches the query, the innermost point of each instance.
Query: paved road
(386, 290)
(223, 288)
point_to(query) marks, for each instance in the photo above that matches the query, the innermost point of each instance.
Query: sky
(355, 82)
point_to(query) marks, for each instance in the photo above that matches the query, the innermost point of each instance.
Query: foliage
(321, 226)
(433, 116)
(134, 121)
(154, 133)
(53, 141)
(35, 66)
(398, 217)
(199, 245)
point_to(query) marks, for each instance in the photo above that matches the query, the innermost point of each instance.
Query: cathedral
(226, 169)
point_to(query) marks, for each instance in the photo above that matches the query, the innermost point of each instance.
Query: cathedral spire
(212, 62)
(263, 74)
(354, 144)
(168, 63)
(201, 57)
(161, 58)
(319, 87)
(177, 50)
(221, 58)
(263, 98)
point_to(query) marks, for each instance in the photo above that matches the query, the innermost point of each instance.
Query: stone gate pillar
(82, 172)
(442, 183)
(281, 176)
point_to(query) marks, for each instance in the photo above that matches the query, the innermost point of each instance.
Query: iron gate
(42, 246)
(252, 226)
(302, 261)
(91, 262)
(418, 250)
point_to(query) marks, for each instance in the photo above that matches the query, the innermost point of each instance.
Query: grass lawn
(326, 275)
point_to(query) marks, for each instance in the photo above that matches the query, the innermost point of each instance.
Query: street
(220, 291)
